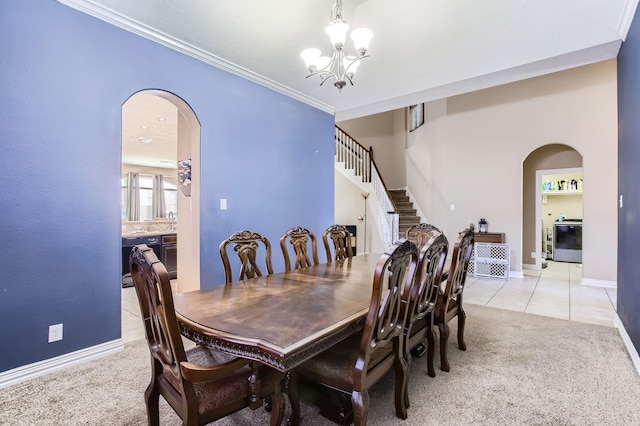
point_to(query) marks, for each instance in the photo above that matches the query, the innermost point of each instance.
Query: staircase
(392, 210)
(406, 212)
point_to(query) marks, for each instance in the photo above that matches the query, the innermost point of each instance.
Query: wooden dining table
(282, 319)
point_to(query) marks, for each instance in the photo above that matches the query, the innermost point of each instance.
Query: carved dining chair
(340, 237)
(449, 303)
(303, 242)
(422, 298)
(250, 246)
(358, 362)
(420, 233)
(200, 384)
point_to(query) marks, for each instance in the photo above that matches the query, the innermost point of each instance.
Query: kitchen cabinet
(164, 245)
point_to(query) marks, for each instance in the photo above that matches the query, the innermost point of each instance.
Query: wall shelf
(563, 192)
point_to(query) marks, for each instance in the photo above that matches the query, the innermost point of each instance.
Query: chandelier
(339, 66)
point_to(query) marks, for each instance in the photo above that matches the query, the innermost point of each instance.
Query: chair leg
(462, 317)
(431, 348)
(294, 400)
(407, 404)
(443, 327)
(402, 386)
(360, 405)
(152, 400)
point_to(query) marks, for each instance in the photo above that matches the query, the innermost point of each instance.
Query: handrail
(353, 154)
(359, 159)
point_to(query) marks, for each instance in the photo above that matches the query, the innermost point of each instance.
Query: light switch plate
(223, 203)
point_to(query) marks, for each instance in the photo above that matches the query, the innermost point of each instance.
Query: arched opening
(560, 165)
(161, 133)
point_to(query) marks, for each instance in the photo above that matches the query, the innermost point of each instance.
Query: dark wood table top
(281, 319)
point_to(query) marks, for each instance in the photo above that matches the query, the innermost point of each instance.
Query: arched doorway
(165, 127)
(556, 162)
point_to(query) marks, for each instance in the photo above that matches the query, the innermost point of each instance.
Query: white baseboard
(516, 274)
(41, 368)
(633, 352)
(599, 283)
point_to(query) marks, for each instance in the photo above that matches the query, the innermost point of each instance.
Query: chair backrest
(247, 244)
(420, 233)
(423, 295)
(384, 324)
(302, 240)
(460, 258)
(341, 239)
(155, 297)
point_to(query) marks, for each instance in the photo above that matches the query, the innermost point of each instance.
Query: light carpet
(519, 369)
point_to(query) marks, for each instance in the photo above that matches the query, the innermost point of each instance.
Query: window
(146, 197)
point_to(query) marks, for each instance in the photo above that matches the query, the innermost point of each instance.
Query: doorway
(551, 157)
(161, 133)
(559, 212)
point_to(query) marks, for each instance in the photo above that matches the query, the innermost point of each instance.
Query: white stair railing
(353, 155)
(386, 214)
(360, 160)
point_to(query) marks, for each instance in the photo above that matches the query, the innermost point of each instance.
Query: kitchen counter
(139, 234)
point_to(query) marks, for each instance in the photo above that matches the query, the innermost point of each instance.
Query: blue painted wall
(628, 178)
(64, 76)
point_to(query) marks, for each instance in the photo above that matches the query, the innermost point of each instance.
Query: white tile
(526, 283)
(482, 291)
(511, 298)
(551, 309)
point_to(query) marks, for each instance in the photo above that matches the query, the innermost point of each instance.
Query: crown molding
(114, 18)
(627, 18)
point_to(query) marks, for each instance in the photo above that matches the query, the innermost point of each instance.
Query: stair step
(404, 206)
(403, 200)
(409, 220)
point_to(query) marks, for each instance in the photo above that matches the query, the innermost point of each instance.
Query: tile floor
(555, 292)
(132, 327)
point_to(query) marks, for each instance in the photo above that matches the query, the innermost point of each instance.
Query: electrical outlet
(534, 254)
(55, 332)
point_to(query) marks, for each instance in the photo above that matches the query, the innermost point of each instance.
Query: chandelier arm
(357, 59)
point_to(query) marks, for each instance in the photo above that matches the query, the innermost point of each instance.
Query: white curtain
(133, 196)
(158, 205)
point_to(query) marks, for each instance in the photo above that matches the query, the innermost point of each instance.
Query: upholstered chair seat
(336, 365)
(229, 389)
